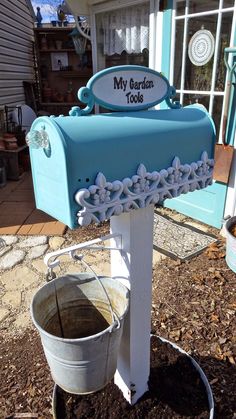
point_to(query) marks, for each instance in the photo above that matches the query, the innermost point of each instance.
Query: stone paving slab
(13, 298)
(19, 278)
(40, 266)
(28, 297)
(33, 241)
(4, 250)
(37, 251)
(9, 240)
(3, 313)
(11, 259)
(56, 242)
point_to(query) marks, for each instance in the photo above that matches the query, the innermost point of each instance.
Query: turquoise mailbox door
(89, 167)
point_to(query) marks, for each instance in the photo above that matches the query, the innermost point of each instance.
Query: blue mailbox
(89, 167)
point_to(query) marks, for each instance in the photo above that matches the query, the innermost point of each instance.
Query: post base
(132, 394)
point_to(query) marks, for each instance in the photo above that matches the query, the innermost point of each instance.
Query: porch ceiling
(81, 7)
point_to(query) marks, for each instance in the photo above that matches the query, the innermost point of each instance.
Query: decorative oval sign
(127, 88)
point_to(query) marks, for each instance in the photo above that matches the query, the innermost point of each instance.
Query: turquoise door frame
(205, 205)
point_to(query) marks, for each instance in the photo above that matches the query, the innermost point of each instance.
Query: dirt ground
(193, 305)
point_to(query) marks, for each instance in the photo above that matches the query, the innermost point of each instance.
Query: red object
(10, 141)
(2, 144)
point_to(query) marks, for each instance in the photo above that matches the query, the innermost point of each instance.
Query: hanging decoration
(201, 47)
(80, 43)
(83, 26)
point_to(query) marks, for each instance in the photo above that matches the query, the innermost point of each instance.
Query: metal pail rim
(111, 328)
(229, 223)
(203, 376)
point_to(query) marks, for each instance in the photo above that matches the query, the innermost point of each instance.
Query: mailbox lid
(115, 143)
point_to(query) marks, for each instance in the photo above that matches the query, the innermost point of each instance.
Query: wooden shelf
(45, 30)
(73, 77)
(58, 50)
(61, 103)
(74, 74)
(17, 150)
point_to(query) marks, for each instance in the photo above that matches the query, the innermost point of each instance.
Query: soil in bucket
(233, 230)
(176, 391)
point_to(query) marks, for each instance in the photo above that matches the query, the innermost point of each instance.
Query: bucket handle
(115, 319)
(92, 245)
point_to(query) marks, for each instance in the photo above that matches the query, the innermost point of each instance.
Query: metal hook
(50, 275)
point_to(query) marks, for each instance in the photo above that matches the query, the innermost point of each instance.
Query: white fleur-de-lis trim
(104, 199)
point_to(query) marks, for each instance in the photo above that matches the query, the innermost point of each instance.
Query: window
(196, 83)
(123, 36)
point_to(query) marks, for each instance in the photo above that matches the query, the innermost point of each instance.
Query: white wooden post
(133, 266)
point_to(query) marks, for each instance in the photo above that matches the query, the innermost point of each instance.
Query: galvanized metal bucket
(80, 321)
(230, 244)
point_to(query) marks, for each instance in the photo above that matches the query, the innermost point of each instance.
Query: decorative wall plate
(201, 47)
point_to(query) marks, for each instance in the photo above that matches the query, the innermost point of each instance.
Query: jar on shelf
(10, 141)
(54, 95)
(46, 93)
(43, 43)
(60, 97)
(3, 174)
(44, 70)
(58, 43)
(2, 144)
(69, 96)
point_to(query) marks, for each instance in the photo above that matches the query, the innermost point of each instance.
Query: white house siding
(16, 57)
